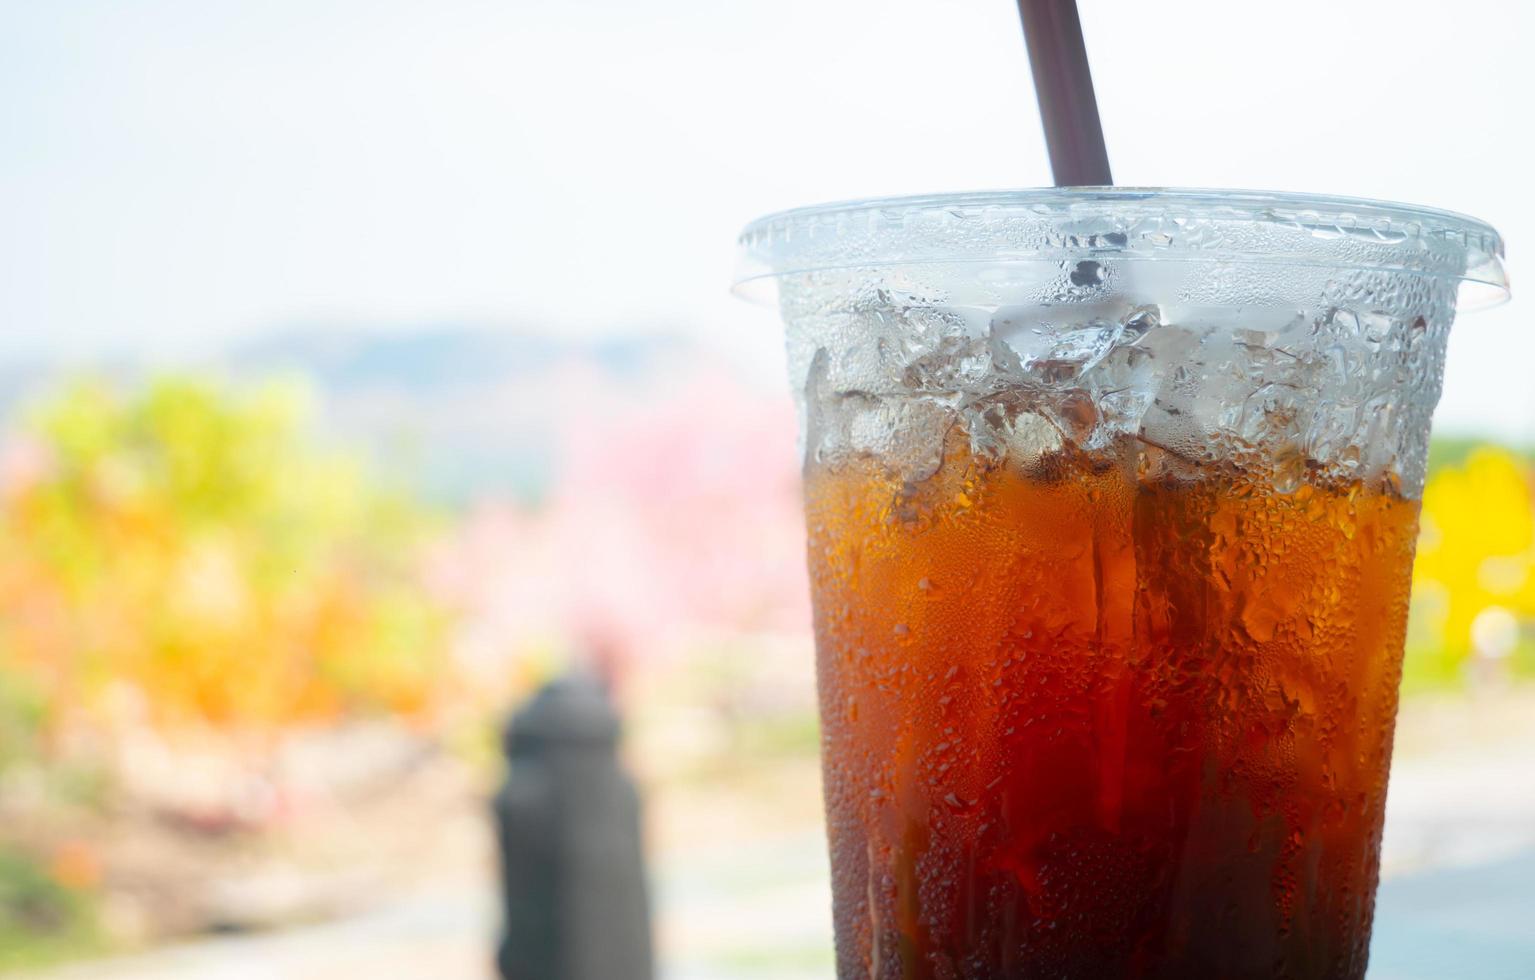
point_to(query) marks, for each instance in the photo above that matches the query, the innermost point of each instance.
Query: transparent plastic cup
(1112, 496)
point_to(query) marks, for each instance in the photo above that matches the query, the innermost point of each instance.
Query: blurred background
(365, 364)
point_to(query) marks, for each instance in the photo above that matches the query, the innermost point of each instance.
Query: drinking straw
(1064, 85)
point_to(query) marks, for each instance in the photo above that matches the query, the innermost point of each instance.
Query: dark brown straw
(1064, 85)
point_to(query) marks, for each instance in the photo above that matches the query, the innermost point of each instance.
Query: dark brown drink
(1090, 721)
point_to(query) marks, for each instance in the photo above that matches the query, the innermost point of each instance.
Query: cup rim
(1135, 223)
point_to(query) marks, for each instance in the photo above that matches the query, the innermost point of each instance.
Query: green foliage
(22, 710)
(1446, 452)
(41, 920)
(778, 734)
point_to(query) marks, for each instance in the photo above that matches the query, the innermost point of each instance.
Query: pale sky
(177, 174)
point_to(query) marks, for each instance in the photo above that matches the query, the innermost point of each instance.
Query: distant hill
(459, 411)
(456, 411)
(431, 358)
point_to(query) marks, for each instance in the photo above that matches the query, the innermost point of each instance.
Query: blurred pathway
(1459, 861)
(432, 935)
(1461, 922)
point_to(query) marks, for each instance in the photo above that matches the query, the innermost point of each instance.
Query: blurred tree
(190, 556)
(673, 523)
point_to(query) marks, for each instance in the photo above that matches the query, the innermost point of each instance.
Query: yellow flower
(1476, 552)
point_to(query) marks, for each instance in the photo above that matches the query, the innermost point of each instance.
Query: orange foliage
(185, 556)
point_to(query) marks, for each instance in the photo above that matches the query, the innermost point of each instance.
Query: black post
(572, 861)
